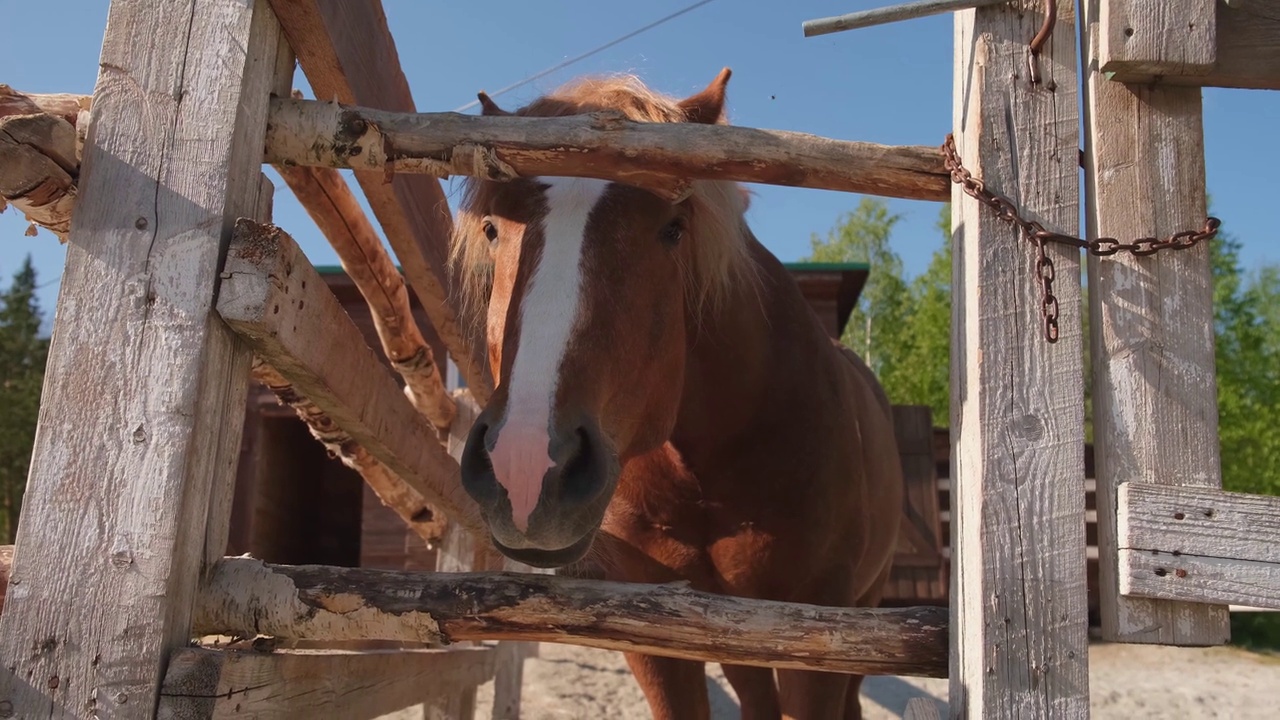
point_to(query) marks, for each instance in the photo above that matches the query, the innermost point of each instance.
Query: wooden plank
(141, 374)
(275, 299)
(662, 157)
(1154, 37)
(245, 597)
(1247, 55)
(508, 680)
(349, 56)
(1151, 324)
(1199, 578)
(913, 428)
(354, 685)
(1199, 521)
(1020, 645)
(1199, 545)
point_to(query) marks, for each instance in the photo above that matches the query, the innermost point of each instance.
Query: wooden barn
(296, 505)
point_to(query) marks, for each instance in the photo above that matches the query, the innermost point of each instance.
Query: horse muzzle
(572, 493)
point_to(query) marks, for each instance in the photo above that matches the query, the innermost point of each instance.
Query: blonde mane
(716, 253)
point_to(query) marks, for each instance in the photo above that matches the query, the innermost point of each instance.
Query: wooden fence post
(1018, 607)
(1154, 388)
(142, 376)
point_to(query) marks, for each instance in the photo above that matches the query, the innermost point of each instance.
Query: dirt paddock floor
(1126, 682)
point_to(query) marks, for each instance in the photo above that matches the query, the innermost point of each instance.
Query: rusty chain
(1036, 233)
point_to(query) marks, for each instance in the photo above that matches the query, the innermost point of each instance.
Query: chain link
(1036, 233)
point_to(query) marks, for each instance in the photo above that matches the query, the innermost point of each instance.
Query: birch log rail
(244, 596)
(659, 156)
(335, 210)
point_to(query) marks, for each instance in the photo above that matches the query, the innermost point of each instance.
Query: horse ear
(488, 106)
(707, 106)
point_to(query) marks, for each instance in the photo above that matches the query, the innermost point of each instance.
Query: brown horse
(668, 406)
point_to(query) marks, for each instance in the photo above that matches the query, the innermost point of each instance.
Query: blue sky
(888, 84)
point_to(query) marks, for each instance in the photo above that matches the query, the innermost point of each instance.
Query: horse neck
(737, 355)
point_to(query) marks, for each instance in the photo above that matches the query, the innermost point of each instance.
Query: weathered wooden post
(1018, 605)
(1154, 387)
(145, 387)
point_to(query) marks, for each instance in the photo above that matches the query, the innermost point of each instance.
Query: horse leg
(853, 699)
(757, 692)
(812, 695)
(872, 598)
(675, 689)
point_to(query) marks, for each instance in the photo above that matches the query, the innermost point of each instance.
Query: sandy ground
(1126, 681)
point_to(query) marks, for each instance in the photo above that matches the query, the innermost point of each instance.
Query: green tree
(875, 327)
(1247, 356)
(22, 359)
(902, 330)
(922, 375)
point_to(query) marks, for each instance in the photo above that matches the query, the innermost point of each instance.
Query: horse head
(590, 289)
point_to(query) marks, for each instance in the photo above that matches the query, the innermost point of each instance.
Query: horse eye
(673, 232)
(490, 231)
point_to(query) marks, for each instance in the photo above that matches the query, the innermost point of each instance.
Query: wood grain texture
(658, 156)
(248, 596)
(1247, 55)
(38, 169)
(1199, 521)
(304, 684)
(64, 105)
(1019, 647)
(329, 201)
(348, 55)
(141, 373)
(1200, 578)
(1154, 389)
(276, 300)
(1197, 544)
(1158, 38)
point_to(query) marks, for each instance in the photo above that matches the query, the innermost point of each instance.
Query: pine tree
(22, 359)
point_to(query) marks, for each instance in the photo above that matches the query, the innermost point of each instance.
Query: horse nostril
(578, 469)
(476, 466)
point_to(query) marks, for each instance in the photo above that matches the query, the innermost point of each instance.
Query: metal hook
(1037, 43)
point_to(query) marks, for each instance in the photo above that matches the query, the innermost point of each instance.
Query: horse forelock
(716, 254)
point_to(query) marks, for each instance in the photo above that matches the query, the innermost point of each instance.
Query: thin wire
(587, 54)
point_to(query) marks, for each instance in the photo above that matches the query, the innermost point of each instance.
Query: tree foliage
(1247, 355)
(22, 360)
(903, 327)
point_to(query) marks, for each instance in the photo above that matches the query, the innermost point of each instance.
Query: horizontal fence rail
(662, 157)
(246, 597)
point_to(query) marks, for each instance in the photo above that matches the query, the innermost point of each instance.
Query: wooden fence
(176, 281)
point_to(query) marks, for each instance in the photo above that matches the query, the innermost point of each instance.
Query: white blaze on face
(548, 313)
